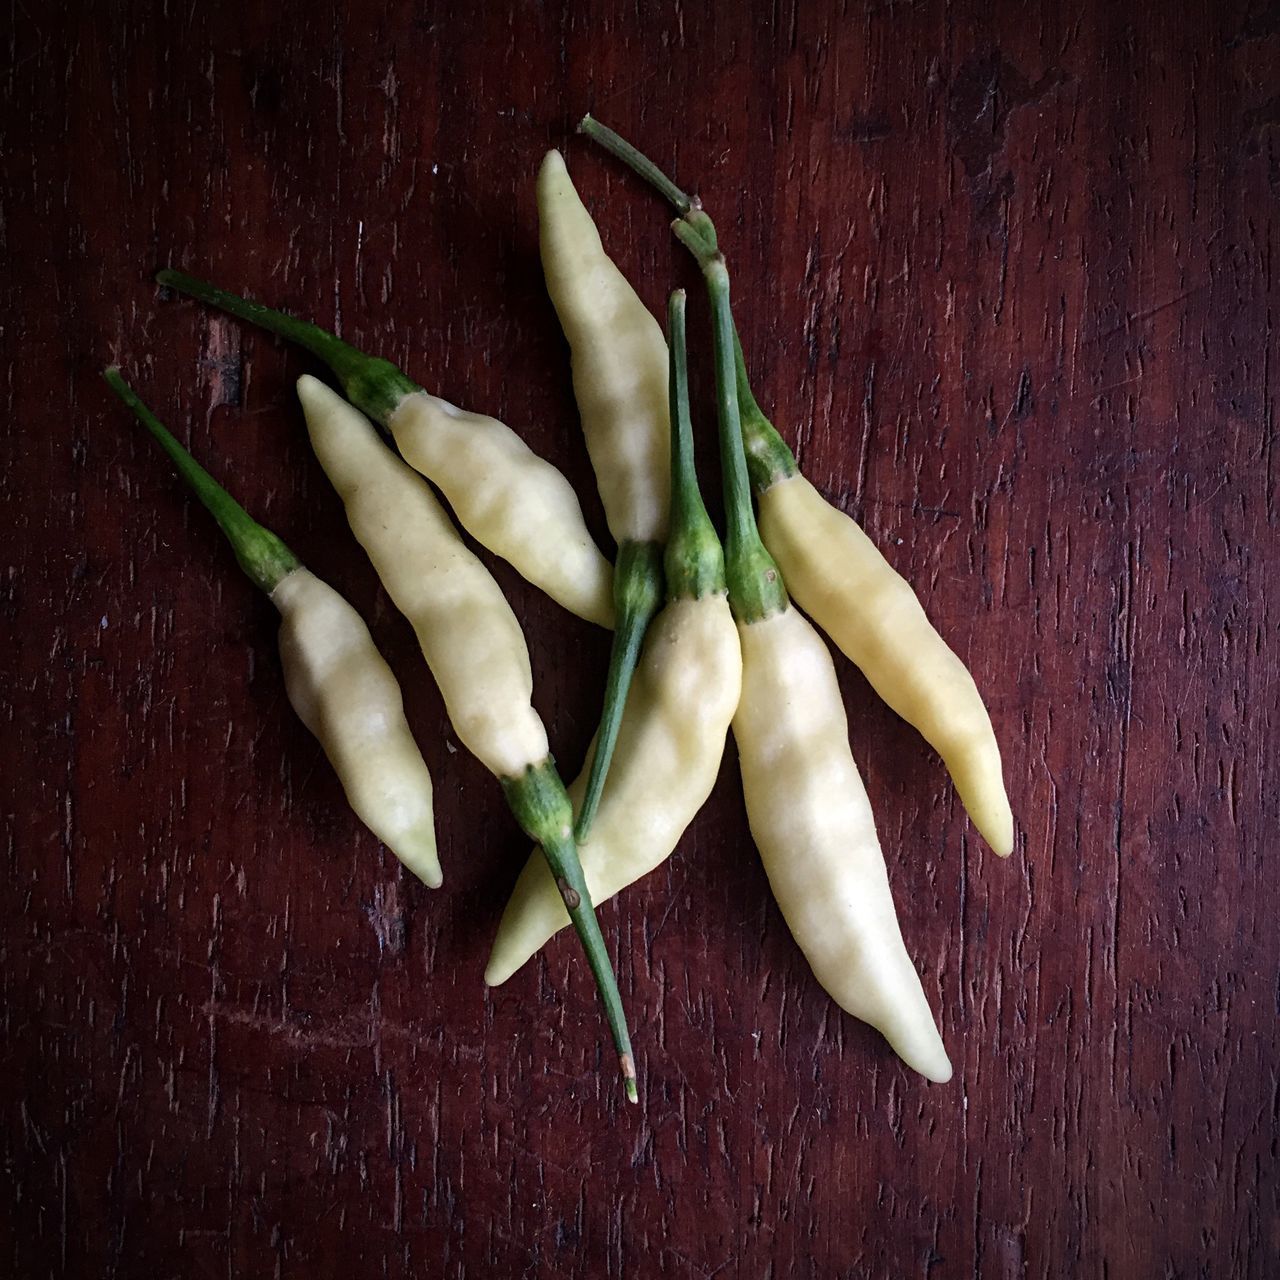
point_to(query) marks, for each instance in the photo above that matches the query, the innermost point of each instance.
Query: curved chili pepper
(842, 581)
(336, 679)
(510, 500)
(620, 382)
(474, 646)
(673, 733)
(807, 807)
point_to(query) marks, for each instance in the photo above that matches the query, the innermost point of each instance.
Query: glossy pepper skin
(345, 693)
(467, 632)
(336, 679)
(840, 579)
(807, 807)
(620, 383)
(473, 644)
(619, 362)
(511, 501)
(673, 731)
(812, 822)
(838, 576)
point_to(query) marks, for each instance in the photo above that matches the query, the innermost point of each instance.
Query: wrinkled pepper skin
(620, 381)
(509, 499)
(619, 362)
(664, 766)
(474, 646)
(808, 810)
(336, 679)
(465, 627)
(812, 822)
(345, 693)
(839, 578)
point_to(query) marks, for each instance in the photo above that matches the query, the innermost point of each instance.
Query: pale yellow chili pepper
(673, 731)
(345, 693)
(841, 580)
(465, 628)
(336, 679)
(806, 804)
(472, 643)
(620, 381)
(619, 362)
(812, 822)
(510, 500)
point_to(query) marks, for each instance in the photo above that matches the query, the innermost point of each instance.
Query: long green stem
(542, 808)
(637, 593)
(756, 589)
(694, 558)
(620, 147)
(768, 458)
(373, 385)
(261, 554)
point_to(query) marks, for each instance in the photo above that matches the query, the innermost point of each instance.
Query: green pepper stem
(694, 559)
(637, 593)
(768, 458)
(633, 159)
(261, 554)
(756, 588)
(373, 385)
(541, 806)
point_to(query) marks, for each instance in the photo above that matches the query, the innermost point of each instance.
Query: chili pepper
(510, 500)
(807, 807)
(335, 677)
(672, 735)
(620, 381)
(842, 581)
(473, 645)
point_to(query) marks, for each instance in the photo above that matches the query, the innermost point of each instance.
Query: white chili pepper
(808, 810)
(812, 822)
(468, 634)
(619, 362)
(473, 645)
(672, 736)
(335, 677)
(620, 382)
(838, 576)
(510, 500)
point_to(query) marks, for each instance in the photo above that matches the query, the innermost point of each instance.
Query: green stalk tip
(373, 385)
(637, 593)
(694, 559)
(768, 458)
(638, 163)
(263, 557)
(541, 806)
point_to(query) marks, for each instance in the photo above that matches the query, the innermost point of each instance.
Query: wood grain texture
(1007, 279)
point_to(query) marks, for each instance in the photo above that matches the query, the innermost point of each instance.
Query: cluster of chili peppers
(706, 637)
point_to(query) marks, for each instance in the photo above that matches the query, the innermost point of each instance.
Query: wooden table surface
(1007, 277)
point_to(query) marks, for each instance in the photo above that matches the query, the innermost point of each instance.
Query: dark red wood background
(1008, 278)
